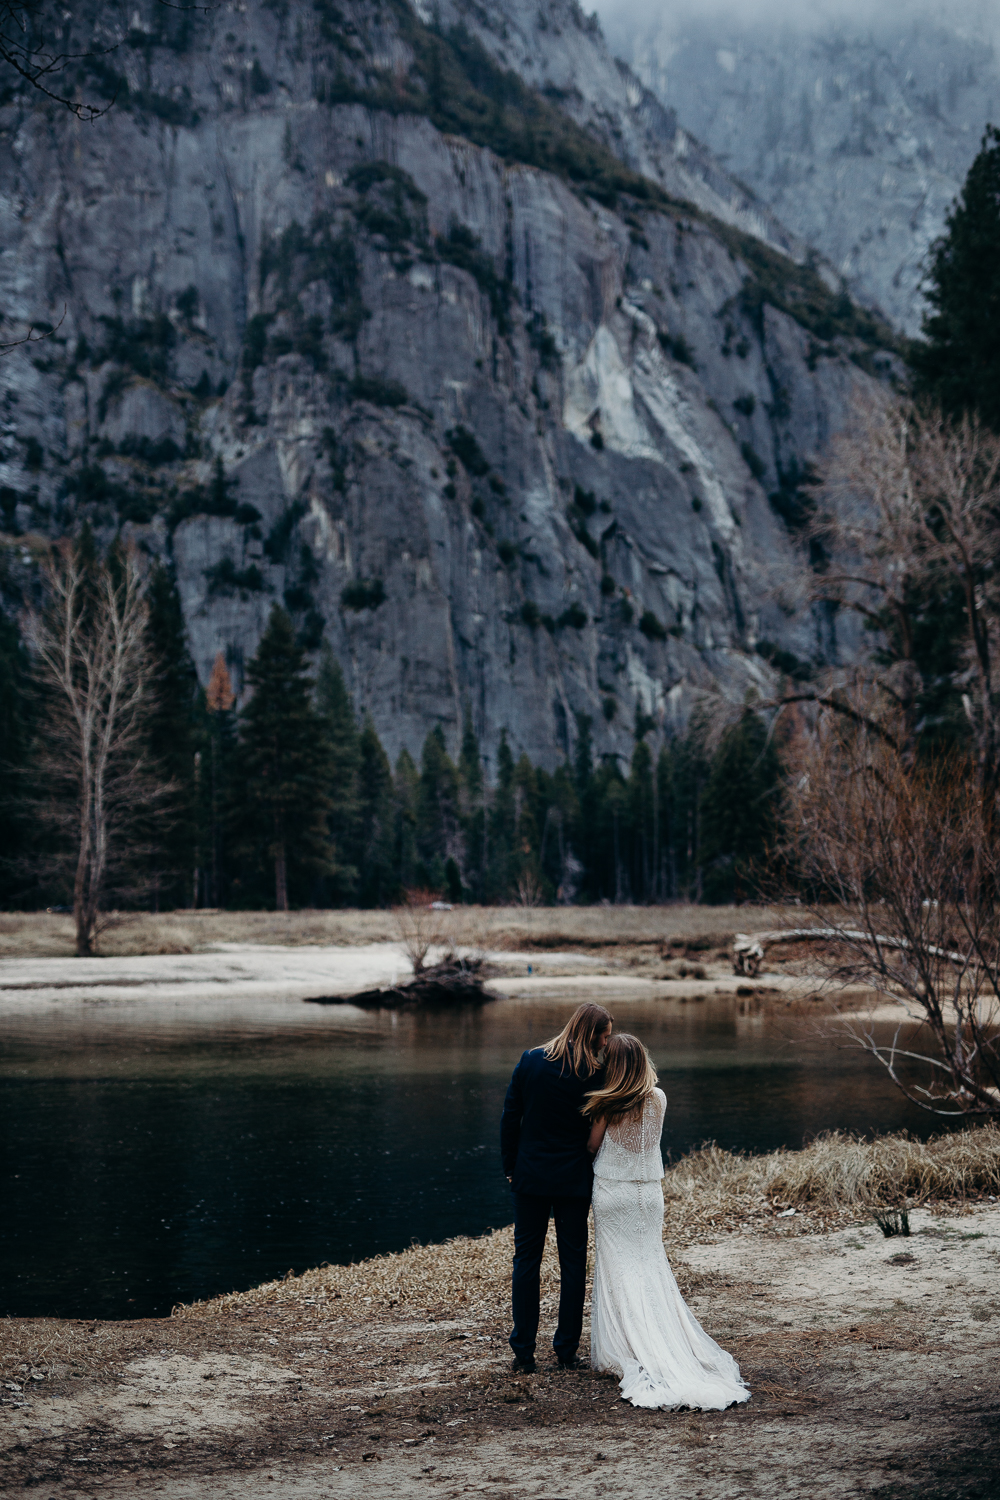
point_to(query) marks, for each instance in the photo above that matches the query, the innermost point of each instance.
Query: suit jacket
(543, 1136)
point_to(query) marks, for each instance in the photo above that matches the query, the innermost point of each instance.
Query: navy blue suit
(543, 1145)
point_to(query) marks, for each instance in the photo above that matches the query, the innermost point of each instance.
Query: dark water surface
(151, 1155)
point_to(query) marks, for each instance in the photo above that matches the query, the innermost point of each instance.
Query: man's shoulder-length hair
(579, 1042)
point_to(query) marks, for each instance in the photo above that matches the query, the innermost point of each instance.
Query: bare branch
(93, 660)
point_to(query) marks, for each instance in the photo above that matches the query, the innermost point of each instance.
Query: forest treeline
(290, 799)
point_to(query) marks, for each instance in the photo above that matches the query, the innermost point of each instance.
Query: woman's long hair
(629, 1079)
(580, 1039)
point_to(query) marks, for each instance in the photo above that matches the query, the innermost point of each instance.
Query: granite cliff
(856, 129)
(438, 329)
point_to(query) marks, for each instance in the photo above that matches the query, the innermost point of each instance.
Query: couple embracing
(582, 1120)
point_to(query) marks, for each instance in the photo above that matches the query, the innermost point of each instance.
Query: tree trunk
(81, 903)
(280, 878)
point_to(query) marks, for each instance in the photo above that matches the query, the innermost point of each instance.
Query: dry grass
(509, 928)
(462, 1278)
(840, 1171)
(837, 1179)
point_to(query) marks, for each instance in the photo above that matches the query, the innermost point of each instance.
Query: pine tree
(502, 825)
(285, 763)
(472, 802)
(561, 867)
(333, 703)
(667, 870)
(689, 771)
(607, 799)
(406, 787)
(174, 742)
(738, 808)
(527, 839)
(378, 882)
(438, 837)
(587, 797)
(641, 824)
(959, 365)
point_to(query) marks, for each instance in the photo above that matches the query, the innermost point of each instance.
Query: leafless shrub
(422, 924)
(902, 855)
(529, 889)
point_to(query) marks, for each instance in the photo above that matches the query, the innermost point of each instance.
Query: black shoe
(524, 1366)
(573, 1363)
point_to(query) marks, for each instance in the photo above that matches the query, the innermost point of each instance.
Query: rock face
(857, 133)
(503, 445)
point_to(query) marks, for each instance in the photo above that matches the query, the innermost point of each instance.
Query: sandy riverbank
(872, 1361)
(262, 957)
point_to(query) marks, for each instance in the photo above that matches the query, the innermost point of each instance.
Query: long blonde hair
(580, 1039)
(629, 1079)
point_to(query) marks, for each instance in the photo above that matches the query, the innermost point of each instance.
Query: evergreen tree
(738, 808)
(959, 365)
(472, 799)
(438, 837)
(587, 792)
(406, 788)
(333, 703)
(378, 881)
(667, 868)
(688, 773)
(527, 834)
(561, 867)
(285, 765)
(174, 742)
(17, 715)
(502, 825)
(643, 842)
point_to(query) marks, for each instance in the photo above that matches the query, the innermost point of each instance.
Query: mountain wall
(856, 131)
(351, 315)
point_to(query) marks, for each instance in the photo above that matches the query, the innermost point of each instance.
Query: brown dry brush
(99, 792)
(911, 512)
(901, 857)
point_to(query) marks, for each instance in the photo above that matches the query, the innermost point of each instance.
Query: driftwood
(445, 986)
(748, 948)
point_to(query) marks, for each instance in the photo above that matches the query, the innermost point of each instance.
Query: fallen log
(748, 947)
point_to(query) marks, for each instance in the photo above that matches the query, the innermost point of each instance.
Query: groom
(543, 1144)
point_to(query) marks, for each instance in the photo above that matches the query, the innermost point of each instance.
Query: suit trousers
(531, 1222)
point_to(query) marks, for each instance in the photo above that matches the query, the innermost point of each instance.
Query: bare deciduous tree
(904, 852)
(913, 517)
(94, 665)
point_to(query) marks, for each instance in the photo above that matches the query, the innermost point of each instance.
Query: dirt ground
(872, 1363)
(45, 935)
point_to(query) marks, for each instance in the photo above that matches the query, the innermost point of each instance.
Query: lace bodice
(630, 1151)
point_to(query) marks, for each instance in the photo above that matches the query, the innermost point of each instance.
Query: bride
(641, 1327)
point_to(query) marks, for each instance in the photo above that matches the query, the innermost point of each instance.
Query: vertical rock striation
(511, 425)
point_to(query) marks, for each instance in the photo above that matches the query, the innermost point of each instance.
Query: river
(155, 1153)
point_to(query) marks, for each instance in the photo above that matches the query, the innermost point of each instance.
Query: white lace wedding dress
(641, 1327)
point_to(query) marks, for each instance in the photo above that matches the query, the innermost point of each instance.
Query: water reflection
(151, 1156)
